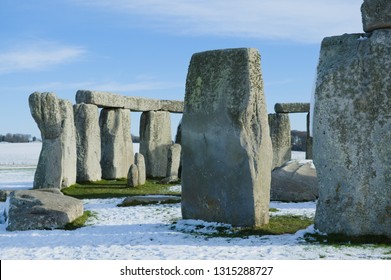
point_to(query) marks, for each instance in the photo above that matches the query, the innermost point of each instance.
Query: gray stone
(169, 180)
(4, 194)
(178, 136)
(88, 143)
(140, 163)
(38, 210)
(280, 134)
(376, 14)
(116, 143)
(68, 139)
(292, 107)
(137, 104)
(133, 180)
(57, 161)
(155, 140)
(54, 191)
(309, 140)
(174, 160)
(147, 200)
(226, 146)
(295, 181)
(352, 134)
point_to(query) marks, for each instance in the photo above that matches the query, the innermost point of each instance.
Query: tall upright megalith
(116, 143)
(226, 146)
(280, 133)
(155, 140)
(352, 132)
(57, 161)
(88, 142)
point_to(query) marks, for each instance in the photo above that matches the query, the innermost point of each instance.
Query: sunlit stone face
(376, 14)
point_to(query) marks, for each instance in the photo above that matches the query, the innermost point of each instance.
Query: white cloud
(299, 20)
(37, 56)
(112, 86)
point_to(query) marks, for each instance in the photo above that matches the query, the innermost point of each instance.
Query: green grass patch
(117, 188)
(80, 222)
(284, 224)
(278, 225)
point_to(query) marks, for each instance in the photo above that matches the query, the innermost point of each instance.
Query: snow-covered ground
(17, 164)
(158, 232)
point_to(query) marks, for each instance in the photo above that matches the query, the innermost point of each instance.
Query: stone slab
(376, 14)
(292, 107)
(352, 134)
(226, 146)
(39, 210)
(136, 104)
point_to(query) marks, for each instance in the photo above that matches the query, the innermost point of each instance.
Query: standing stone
(116, 143)
(174, 160)
(88, 143)
(57, 161)
(226, 146)
(140, 163)
(376, 14)
(155, 140)
(280, 133)
(178, 136)
(352, 134)
(133, 176)
(68, 139)
(309, 140)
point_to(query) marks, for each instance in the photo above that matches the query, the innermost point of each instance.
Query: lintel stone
(136, 104)
(292, 107)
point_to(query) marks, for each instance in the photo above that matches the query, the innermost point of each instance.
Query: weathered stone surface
(295, 181)
(57, 161)
(292, 107)
(32, 210)
(155, 140)
(137, 104)
(376, 14)
(226, 146)
(140, 163)
(178, 136)
(88, 143)
(174, 160)
(147, 200)
(68, 139)
(352, 134)
(133, 180)
(280, 134)
(116, 143)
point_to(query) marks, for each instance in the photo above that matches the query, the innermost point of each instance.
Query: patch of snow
(177, 188)
(158, 232)
(297, 155)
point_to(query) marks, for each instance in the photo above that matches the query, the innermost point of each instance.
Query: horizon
(143, 48)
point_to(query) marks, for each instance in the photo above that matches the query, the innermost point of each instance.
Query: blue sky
(143, 48)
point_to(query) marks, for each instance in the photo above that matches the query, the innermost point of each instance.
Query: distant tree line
(299, 140)
(17, 138)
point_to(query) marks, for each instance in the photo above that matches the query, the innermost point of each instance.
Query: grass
(80, 222)
(278, 225)
(117, 188)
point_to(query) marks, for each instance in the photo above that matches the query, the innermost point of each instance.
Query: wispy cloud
(301, 20)
(37, 56)
(111, 86)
